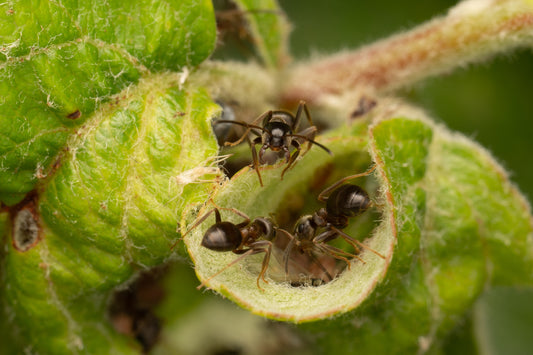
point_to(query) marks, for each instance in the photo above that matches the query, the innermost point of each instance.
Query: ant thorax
(268, 227)
(321, 217)
(283, 117)
(260, 227)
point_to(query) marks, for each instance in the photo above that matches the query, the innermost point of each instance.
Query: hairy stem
(471, 31)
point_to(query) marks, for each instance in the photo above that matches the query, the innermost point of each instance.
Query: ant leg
(307, 113)
(292, 158)
(321, 266)
(234, 210)
(310, 141)
(197, 223)
(262, 151)
(353, 241)
(288, 249)
(339, 253)
(330, 234)
(255, 161)
(248, 126)
(260, 246)
(302, 106)
(266, 247)
(320, 242)
(287, 254)
(323, 198)
(309, 135)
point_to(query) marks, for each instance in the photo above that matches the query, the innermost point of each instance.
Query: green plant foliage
(107, 153)
(61, 61)
(110, 208)
(503, 321)
(269, 30)
(440, 263)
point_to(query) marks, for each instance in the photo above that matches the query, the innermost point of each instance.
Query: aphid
(246, 238)
(74, 115)
(364, 106)
(344, 202)
(277, 134)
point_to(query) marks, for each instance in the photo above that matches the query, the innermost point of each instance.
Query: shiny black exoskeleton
(277, 134)
(246, 238)
(344, 202)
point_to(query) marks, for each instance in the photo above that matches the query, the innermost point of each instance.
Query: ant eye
(300, 229)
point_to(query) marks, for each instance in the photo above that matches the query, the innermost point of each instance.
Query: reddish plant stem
(461, 37)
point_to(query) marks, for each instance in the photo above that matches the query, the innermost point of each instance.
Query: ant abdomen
(223, 236)
(348, 200)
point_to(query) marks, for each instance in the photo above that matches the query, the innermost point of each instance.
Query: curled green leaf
(61, 62)
(451, 224)
(269, 30)
(110, 208)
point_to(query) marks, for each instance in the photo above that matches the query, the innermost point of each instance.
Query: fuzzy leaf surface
(269, 29)
(61, 61)
(451, 226)
(110, 209)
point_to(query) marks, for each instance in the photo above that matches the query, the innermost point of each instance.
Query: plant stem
(470, 32)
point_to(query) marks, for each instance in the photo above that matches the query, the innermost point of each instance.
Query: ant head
(305, 228)
(348, 200)
(276, 135)
(223, 236)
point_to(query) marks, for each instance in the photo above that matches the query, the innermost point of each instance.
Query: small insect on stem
(364, 106)
(343, 201)
(246, 238)
(277, 133)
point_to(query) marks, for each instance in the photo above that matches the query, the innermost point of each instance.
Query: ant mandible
(277, 135)
(343, 202)
(246, 238)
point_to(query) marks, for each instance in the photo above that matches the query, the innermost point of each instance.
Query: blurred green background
(490, 102)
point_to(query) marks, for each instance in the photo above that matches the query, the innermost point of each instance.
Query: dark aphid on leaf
(246, 238)
(224, 131)
(74, 115)
(312, 232)
(364, 106)
(277, 133)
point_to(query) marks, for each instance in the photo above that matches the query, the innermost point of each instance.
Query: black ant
(277, 135)
(224, 132)
(343, 202)
(246, 238)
